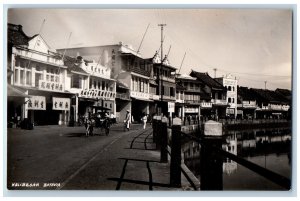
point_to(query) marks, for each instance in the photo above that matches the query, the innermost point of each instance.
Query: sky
(253, 45)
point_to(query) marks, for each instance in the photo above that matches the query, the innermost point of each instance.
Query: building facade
(231, 95)
(40, 73)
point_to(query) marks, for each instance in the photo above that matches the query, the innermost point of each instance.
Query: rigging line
(254, 74)
(196, 57)
(181, 62)
(143, 39)
(169, 50)
(39, 33)
(66, 46)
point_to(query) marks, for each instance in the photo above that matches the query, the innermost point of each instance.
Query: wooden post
(154, 124)
(211, 168)
(175, 169)
(164, 141)
(158, 132)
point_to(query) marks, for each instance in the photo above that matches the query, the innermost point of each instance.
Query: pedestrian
(144, 120)
(127, 120)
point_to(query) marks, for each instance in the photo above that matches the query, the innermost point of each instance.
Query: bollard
(211, 168)
(175, 166)
(158, 133)
(164, 141)
(154, 128)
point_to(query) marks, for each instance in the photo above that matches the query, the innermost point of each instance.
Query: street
(53, 157)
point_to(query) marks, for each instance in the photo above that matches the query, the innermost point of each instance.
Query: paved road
(63, 158)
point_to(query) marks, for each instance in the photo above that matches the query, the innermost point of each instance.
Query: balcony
(205, 105)
(219, 102)
(192, 101)
(139, 95)
(154, 97)
(168, 79)
(39, 56)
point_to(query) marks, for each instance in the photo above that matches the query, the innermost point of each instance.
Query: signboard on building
(61, 103)
(50, 86)
(95, 93)
(35, 103)
(191, 110)
(171, 107)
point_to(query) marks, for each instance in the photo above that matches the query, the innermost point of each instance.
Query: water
(269, 148)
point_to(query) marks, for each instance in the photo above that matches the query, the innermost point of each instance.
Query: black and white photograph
(149, 99)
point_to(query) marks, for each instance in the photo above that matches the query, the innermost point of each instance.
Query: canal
(268, 148)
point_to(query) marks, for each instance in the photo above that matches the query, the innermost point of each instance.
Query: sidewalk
(129, 163)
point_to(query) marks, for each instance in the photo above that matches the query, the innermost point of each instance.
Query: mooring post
(154, 128)
(164, 140)
(158, 132)
(211, 168)
(175, 166)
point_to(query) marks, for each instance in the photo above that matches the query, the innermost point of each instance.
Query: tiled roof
(270, 96)
(206, 79)
(72, 64)
(284, 92)
(246, 94)
(16, 36)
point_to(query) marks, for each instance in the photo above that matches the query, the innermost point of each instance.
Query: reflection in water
(264, 147)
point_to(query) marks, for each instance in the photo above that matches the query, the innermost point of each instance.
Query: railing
(211, 152)
(205, 105)
(192, 101)
(39, 56)
(219, 102)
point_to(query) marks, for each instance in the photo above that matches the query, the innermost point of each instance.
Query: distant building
(216, 91)
(190, 105)
(246, 105)
(231, 84)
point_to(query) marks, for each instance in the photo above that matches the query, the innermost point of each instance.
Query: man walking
(127, 120)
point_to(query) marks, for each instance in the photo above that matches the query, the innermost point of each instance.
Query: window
(229, 88)
(142, 86)
(76, 81)
(232, 100)
(28, 77)
(16, 76)
(229, 100)
(103, 85)
(232, 88)
(171, 91)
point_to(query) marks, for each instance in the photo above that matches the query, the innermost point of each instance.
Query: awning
(14, 92)
(142, 99)
(121, 85)
(100, 107)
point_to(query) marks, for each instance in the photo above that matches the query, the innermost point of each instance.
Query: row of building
(47, 86)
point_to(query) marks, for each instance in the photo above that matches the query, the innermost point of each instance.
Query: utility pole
(161, 64)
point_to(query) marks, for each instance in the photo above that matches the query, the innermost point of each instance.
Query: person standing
(127, 120)
(144, 120)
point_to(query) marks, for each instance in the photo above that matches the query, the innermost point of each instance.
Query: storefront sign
(61, 103)
(191, 110)
(94, 93)
(50, 86)
(171, 107)
(136, 94)
(35, 103)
